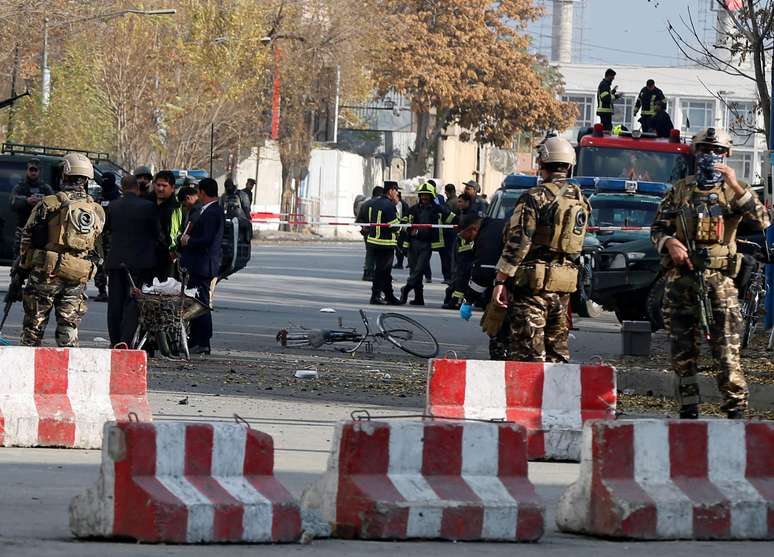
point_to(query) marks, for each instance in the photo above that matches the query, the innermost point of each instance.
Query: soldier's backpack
(76, 226)
(569, 218)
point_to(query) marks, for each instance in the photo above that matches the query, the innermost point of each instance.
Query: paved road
(289, 284)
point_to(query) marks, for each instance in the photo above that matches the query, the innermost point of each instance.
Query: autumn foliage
(466, 62)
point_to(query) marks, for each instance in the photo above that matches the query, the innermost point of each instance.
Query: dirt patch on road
(374, 380)
(269, 374)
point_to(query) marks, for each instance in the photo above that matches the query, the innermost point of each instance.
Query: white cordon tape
(386, 225)
(358, 224)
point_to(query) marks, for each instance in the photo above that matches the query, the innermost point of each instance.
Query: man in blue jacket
(201, 255)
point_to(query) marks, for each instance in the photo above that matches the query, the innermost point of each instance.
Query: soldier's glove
(466, 311)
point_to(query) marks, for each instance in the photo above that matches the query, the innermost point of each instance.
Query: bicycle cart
(165, 320)
(399, 330)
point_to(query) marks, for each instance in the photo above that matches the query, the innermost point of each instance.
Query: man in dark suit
(133, 224)
(201, 255)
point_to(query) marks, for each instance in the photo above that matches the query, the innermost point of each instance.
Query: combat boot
(404, 294)
(419, 298)
(689, 412)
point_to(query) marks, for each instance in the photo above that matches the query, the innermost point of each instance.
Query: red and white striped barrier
(61, 397)
(357, 224)
(428, 480)
(669, 479)
(186, 483)
(551, 400)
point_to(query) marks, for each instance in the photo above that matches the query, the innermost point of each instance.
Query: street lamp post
(46, 71)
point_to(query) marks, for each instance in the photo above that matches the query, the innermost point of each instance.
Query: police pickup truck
(622, 212)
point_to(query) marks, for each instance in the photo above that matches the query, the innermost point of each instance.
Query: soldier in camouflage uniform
(59, 248)
(537, 271)
(704, 211)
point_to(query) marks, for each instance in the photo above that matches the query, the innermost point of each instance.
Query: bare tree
(744, 40)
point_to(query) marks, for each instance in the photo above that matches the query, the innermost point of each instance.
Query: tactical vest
(562, 234)
(568, 218)
(709, 222)
(73, 229)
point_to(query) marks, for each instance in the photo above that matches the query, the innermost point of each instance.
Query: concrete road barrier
(428, 479)
(62, 397)
(551, 400)
(186, 483)
(669, 479)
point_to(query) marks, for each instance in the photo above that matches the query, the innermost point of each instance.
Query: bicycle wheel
(408, 335)
(749, 314)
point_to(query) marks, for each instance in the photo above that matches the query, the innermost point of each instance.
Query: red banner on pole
(733, 5)
(275, 104)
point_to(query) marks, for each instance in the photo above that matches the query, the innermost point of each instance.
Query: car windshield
(503, 203)
(649, 166)
(614, 212)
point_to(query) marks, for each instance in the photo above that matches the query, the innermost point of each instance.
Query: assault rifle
(699, 261)
(14, 294)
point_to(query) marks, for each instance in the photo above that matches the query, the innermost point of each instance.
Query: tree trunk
(417, 163)
(286, 200)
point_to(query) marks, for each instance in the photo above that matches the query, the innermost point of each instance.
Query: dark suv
(13, 169)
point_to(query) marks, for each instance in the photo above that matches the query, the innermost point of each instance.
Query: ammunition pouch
(64, 266)
(547, 277)
(493, 319)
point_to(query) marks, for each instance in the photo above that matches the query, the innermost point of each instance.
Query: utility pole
(14, 73)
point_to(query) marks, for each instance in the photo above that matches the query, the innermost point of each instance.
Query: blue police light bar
(608, 185)
(519, 182)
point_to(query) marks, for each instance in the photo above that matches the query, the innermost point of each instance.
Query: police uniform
(712, 214)
(541, 240)
(60, 244)
(380, 243)
(486, 251)
(23, 210)
(423, 241)
(646, 101)
(605, 108)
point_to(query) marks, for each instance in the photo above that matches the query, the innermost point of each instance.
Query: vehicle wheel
(408, 335)
(654, 303)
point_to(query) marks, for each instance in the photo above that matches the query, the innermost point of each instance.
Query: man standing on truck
(695, 233)
(59, 251)
(606, 100)
(537, 271)
(646, 101)
(24, 197)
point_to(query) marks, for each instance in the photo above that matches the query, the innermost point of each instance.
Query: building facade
(696, 98)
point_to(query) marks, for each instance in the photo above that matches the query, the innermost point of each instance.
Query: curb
(661, 383)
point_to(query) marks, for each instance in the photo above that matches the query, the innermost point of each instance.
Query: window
(742, 162)
(624, 107)
(699, 114)
(741, 120)
(607, 162)
(585, 105)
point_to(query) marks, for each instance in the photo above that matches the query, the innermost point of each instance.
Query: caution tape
(385, 225)
(358, 224)
(618, 228)
(269, 215)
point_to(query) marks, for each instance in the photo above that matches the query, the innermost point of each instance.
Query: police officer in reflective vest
(537, 269)
(606, 99)
(381, 241)
(646, 101)
(695, 233)
(60, 251)
(422, 241)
